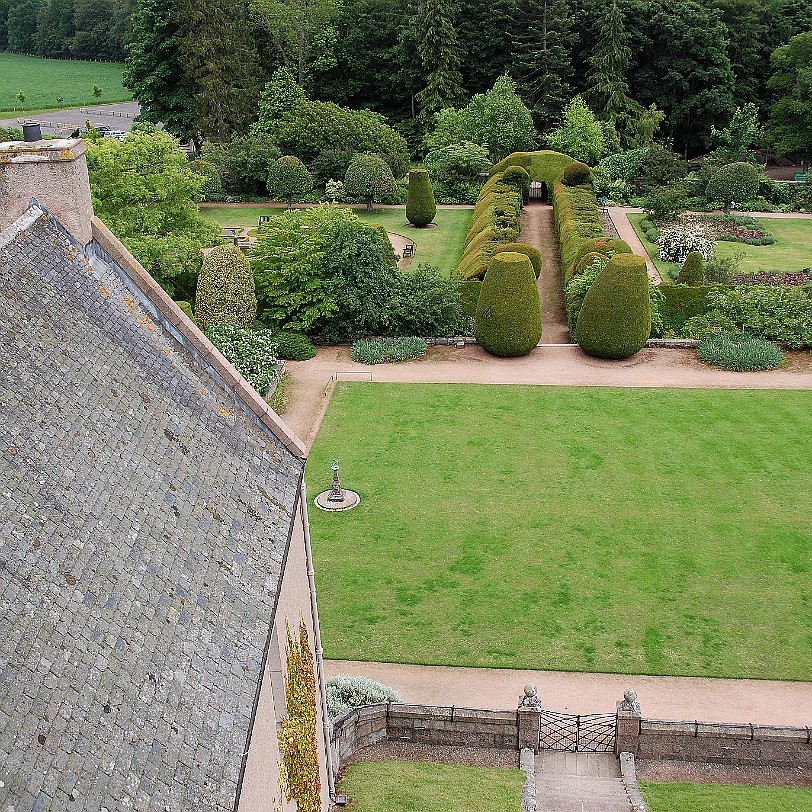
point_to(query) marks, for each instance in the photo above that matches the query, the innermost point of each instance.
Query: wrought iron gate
(585, 733)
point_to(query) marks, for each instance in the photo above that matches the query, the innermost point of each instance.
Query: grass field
(568, 528)
(43, 81)
(791, 252)
(725, 798)
(422, 787)
(441, 246)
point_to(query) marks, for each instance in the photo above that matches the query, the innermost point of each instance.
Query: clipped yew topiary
(693, 270)
(576, 174)
(508, 314)
(615, 319)
(533, 254)
(420, 205)
(469, 296)
(517, 176)
(225, 289)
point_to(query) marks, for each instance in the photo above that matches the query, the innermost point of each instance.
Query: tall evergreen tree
(93, 36)
(221, 64)
(22, 27)
(542, 57)
(54, 28)
(608, 91)
(485, 58)
(440, 53)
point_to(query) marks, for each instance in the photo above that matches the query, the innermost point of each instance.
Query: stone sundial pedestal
(337, 498)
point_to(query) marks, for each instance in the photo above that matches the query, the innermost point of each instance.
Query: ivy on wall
(297, 740)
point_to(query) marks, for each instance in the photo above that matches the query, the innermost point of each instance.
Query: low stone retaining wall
(423, 724)
(737, 745)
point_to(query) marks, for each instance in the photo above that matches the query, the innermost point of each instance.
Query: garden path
(573, 782)
(742, 701)
(626, 232)
(538, 230)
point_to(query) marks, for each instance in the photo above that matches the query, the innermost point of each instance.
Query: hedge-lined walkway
(538, 230)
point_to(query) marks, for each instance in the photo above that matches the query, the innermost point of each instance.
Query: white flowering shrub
(251, 352)
(677, 241)
(344, 693)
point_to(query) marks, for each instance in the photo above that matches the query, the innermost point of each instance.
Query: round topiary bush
(693, 270)
(293, 346)
(587, 261)
(508, 314)
(420, 205)
(533, 254)
(733, 182)
(370, 177)
(225, 289)
(740, 353)
(615, 319)
(576, 174)
(288, 178)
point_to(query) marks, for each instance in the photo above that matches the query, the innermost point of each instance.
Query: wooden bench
(408, 250)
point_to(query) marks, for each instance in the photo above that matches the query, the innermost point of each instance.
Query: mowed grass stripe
(684, 797)
(618, 530)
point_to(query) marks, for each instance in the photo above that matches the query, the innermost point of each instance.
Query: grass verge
(568, 528)
(423, 787)
(44, 81)
(683, 797)
(440, 246)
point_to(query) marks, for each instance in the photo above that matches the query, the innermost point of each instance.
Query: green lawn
(441, 246)
(422, 787)
(791, 252)
(725, 798)
(43, 81)
(568, 528)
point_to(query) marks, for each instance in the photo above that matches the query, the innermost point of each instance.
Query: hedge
(508, 315)
(469, 296)
(683, 302)
(420, 206)
(577, 221)
(544, 166)
(615, 318)
(576, 174)
(495, 222)
(225, 289)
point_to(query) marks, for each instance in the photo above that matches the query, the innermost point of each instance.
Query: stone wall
(737, 745)
(424, 724)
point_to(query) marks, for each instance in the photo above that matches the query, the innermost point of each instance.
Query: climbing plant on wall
(297, 740)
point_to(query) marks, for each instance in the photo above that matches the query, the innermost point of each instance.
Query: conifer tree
(440, 53)
(542, 57)
(608, 91)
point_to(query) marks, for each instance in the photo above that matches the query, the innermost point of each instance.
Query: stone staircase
(579, 782)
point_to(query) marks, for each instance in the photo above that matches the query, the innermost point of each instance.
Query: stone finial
(531, 699)
(629, 704)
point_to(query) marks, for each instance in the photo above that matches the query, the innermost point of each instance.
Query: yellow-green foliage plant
(508, 314)
(577, 221)
(615, 318)
(225, 289)
(533, 254)
(297, 739)
(420, 206)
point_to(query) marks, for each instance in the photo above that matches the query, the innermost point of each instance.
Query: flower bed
(800, 279)
(736, 229)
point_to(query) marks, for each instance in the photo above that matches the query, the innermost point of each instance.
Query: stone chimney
(53, 172)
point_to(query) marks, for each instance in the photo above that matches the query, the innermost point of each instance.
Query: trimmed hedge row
(683, 302)
(576, 219)
(544, 165)
(495, 222)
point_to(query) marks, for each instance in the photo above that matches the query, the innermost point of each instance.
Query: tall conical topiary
(225, 289)
(615, 319)
(508, 314)
(532, 253)
(693, 270)
(420, 205)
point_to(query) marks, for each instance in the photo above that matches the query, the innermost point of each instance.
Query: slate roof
(144, 517)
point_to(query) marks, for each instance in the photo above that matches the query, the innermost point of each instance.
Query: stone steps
(579, 782)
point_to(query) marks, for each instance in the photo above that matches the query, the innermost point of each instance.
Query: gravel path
(538, 230)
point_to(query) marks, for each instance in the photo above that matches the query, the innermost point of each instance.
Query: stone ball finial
(629, 703)
(531, 698)
(630, 696)
(530, 690)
